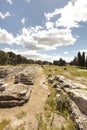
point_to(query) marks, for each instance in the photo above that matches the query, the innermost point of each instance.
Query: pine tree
(79, 59)
(86, 62)
(83, 59)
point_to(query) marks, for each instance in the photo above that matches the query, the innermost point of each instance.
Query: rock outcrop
(77, 99)
(24, 78)
(15, 90)
(15, 97)
(3, 73)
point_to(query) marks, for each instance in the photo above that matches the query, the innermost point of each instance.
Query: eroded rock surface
(77, 99)
(16, 88)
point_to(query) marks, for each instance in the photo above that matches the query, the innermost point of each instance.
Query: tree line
(59, 62)
(80, 60)
(14, 59)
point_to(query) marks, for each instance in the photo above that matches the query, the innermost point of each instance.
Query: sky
(44, 29)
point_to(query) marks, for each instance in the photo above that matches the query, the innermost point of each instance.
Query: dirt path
(34, 107)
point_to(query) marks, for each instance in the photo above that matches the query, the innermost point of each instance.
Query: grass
(42, 125)
(71, 72)
(70, 125)
(63, 69)
(52, 106)
(21, 115)
(4, 123)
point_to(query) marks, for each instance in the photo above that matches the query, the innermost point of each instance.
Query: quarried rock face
(2, 86)
(23, 78)
(77, 99)
(16, 97)
(15, 85)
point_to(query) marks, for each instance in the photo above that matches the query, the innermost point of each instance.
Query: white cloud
(6, 37)
(49, 25)
(23, 20)
(66, 52)
(3, 16)
(10, 1)
(70, 16)
(51, 15)
(36, 38)
(51, 36)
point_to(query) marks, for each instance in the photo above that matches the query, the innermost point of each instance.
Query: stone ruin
(16, 97)
(24, 79)
(18, 91)
(77, 99)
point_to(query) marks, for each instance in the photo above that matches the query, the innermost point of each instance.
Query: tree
(83, 59)
(60, 62)
(3, 58)
(11, 58)
(79, 59)
(74, 62)
(18, 59)
(55, 62)
(86, 62)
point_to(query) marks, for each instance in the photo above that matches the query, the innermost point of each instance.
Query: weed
(21, 115)
(3, 124)
(42, 125)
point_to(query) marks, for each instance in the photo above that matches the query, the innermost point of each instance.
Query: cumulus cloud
(10, 1)
(6, 37)
(38, 38)
(70, 16)
(55, 33)
(51, 15)
(49, 25)
(3, 16)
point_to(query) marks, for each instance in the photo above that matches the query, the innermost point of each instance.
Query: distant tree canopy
(3, 58)
(80, 60)
(60, 62)
(13, 59)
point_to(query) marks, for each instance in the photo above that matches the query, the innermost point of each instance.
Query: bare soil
(32, 108)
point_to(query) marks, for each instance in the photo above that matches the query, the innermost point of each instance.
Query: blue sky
(44, 29)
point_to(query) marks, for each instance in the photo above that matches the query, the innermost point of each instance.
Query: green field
(71, 72)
